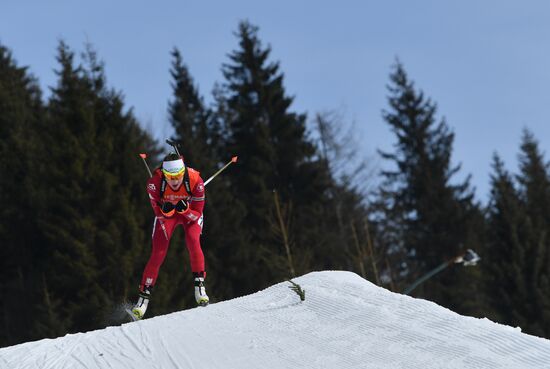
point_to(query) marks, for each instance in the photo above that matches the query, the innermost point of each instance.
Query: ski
(133, 316)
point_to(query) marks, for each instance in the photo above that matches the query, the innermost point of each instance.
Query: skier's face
(174, 182)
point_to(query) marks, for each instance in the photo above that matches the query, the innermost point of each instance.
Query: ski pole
(233, 160)
(143, 156)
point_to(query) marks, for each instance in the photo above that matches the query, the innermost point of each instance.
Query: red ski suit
(191, 220)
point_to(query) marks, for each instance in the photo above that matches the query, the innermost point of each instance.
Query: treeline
(75, 222)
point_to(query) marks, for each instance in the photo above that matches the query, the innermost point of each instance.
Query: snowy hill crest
(345, 322)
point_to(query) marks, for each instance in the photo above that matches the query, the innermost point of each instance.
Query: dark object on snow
(298, 289)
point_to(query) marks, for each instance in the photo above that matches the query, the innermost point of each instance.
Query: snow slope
(345, 322)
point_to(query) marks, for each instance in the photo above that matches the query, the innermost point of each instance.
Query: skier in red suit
(177, 196)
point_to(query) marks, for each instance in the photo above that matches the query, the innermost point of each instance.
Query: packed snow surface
(344, 322)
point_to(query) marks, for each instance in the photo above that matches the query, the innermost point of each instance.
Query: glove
(182, 206)
(167, 209)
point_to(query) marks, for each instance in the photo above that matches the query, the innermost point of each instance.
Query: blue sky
(485, 63)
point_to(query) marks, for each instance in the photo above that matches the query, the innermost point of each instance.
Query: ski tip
(143, 156)
(234, 159)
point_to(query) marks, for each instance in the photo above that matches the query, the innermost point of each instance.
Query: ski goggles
(173, 175)
(173, 169)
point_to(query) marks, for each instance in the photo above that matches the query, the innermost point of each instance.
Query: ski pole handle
(143, 156)
(233, 160)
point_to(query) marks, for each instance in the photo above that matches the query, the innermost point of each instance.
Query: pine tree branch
(298, 289)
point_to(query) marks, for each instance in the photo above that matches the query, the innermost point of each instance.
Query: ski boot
(139, 309)
(200, 291)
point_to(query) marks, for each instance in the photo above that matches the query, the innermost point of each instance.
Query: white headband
(173, 166)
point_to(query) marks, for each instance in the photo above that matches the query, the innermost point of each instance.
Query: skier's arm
(196, 203)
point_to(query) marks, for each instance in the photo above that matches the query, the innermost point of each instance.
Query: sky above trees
(484, 65)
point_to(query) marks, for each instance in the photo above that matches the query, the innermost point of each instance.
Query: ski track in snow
(345, 322)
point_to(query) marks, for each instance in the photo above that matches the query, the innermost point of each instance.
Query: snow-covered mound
(344, 322)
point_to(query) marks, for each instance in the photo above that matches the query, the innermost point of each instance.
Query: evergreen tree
(93, 212)
(518, 249)
(71, 270)
(20, 110)
(504, 265)
(274, 154)
(425, 216)
(250, 85)
(534, 186)
(259, 106)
